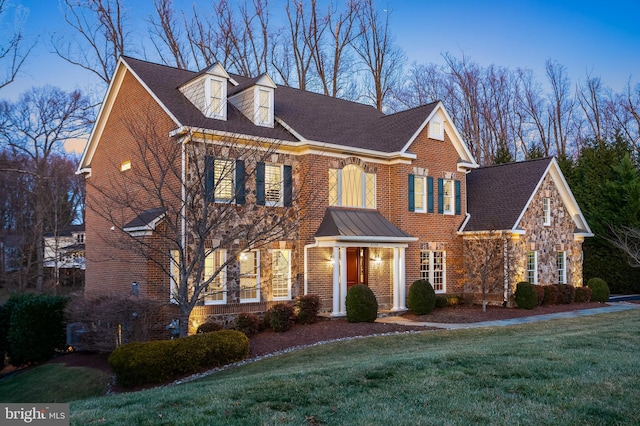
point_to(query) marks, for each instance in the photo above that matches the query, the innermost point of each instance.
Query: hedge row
(32, 328)
(528, 296)
(141, 363)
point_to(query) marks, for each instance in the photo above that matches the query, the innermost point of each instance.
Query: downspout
(306, 260)
(507, 269)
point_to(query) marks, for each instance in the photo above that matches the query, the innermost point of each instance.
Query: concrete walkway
(613, 307)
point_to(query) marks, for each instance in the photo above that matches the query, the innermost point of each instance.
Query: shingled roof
(354, 223)
(497, 195)
(313, 116)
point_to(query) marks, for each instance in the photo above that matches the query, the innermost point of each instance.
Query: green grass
(564, 372)
(53, 383)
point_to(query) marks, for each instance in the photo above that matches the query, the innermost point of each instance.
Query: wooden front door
(357, 266)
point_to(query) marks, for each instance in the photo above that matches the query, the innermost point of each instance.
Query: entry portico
(344, 230)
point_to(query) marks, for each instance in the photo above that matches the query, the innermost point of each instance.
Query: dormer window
(264, 107)
(215, 95)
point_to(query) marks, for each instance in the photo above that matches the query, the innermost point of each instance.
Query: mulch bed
(325, 329)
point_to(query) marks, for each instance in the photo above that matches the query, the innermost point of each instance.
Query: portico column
(336, 282)
(343, 280)
(396, 281)
(402, 279)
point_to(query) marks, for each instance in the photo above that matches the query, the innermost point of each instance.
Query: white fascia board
(105, 110)
(457, 140)
(497, 232)
(363, 241)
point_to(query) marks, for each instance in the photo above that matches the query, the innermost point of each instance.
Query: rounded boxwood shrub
(141, 363)
(583, 295)
(361, 304)
(208, 327)
(422, 298)
(308, 307)
(539, 293)
(281, 317)
(248, 323)
(599, 290)
(526, 296)
(551, 295)
(566, 293)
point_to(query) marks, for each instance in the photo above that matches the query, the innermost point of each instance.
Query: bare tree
(12, 52)
(382, 59)
(208, 212)
(100, 39)
(484, 261)
(561, 106)
(166, 34)
(627, 240)
(36, 126)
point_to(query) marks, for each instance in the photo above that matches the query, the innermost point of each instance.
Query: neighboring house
(66, 250)
(387, 198)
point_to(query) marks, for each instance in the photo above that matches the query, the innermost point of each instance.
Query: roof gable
(498, 196)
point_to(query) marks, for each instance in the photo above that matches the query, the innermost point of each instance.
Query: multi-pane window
(264, 106)
(273, 184)
(420, 194)
(351, 186)
(215, 272)
(223, 179)
(250, 276)
(448, 197)
(432, 268)
(215, 97)
(281, 274)
(546, 211)
(532, 267)
(562, 267)
(174, 275)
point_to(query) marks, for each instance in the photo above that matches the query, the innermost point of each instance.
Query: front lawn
(578, 371)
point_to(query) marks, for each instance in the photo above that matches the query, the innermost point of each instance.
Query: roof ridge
(532, 160)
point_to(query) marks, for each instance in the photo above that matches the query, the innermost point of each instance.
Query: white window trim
(436, 129)
(222, 276)
(216, 182)
(257, 298)
(431, 269)
(546, 211)
(288, 296)
(280, 202)
(363, 201)
(256, 109)
(451, 197)
(535, 266)
(422, 181)
(562, 273)
(207, 96)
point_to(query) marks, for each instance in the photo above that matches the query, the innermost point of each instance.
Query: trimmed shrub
(208, 327)
(539, 293)
(36, 328)
(308, 307)
(441, 301)
(422, 298)
(551, 295)
(526, 297)
(141, 363)
(583, 295)
(566, 293)
(248, 323)
(361, 304)
(599, 290)
(281, 317)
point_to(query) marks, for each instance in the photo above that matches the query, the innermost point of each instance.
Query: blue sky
(600, 38)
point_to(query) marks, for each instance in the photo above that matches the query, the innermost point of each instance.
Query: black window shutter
(260, 198)
(440, 195)
(412, 193)
(429, 194)
(209, 184)
(240, 198)
(288, 186)
(458, 206)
